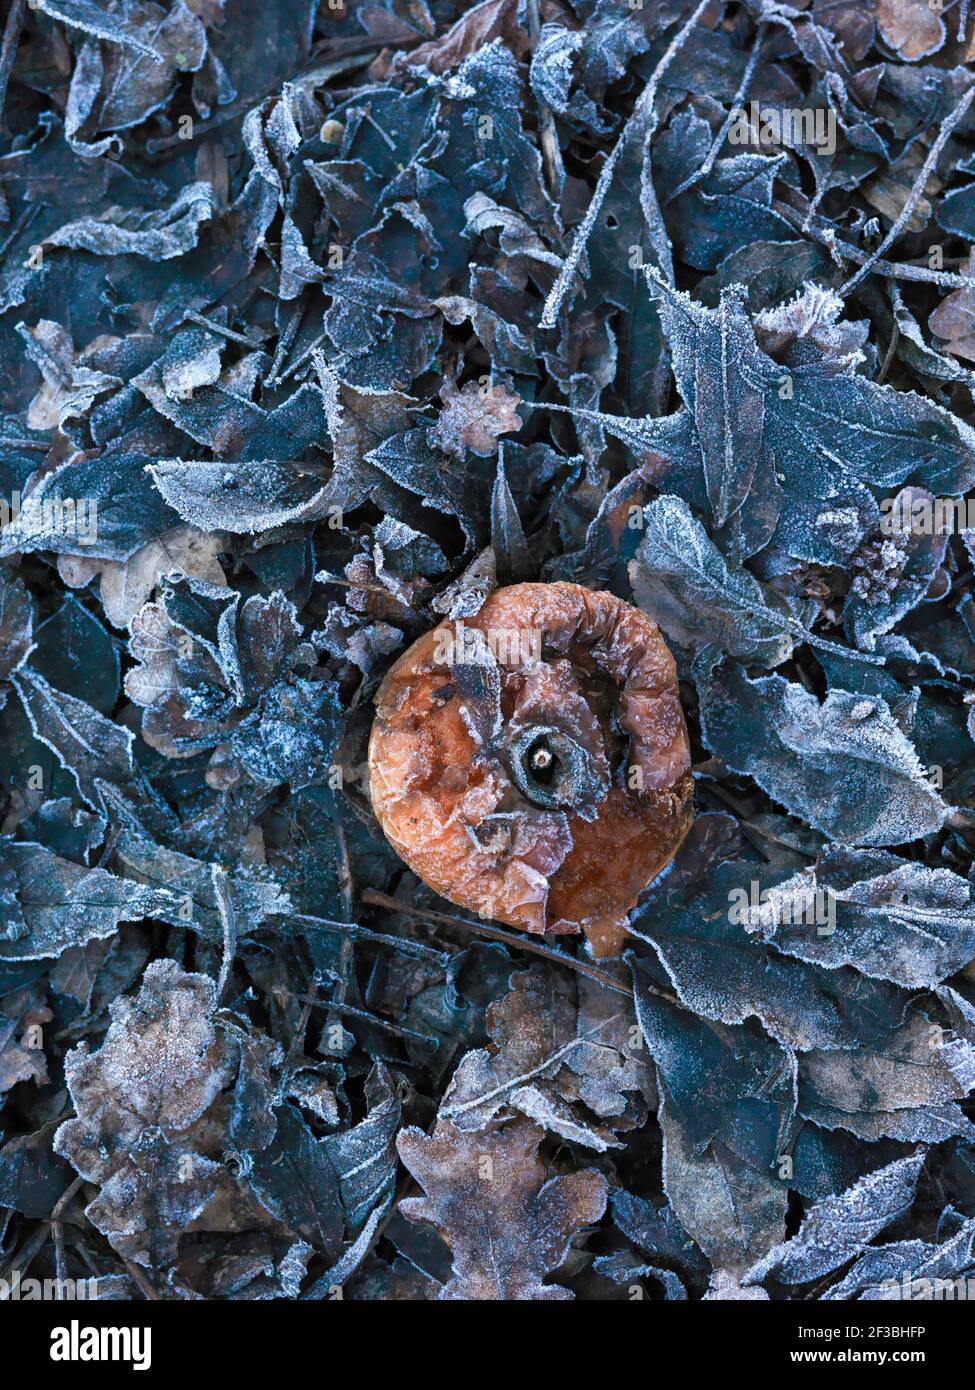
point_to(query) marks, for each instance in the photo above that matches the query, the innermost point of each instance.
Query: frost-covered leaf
(731, 1209)
(473, 418)
(294, 1181)
(240, 497)
(364, 1157)
(32, 1176)
(894, 572)
(16, 624)
(124, 586)
(909, 1269)
(831, 433)
(88, 745)
(23, 1015)
(710, 353)
(553, 1046)
(734, 1085)
(489, 1196)
(903, 1088)
(892, 918)
(158, 235)
(835, 1230)
(719, 966)
(148, 1131)
(659, 1235)
(682, 579)
(844, 765)
(51, 904)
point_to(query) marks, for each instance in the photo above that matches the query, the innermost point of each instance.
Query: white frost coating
(143, 1128)
(894, 919)
(159, 235)
(244, 498)
(684, 582)
(845, 766)
(642, 110)
(92, 19)
(838, 1228)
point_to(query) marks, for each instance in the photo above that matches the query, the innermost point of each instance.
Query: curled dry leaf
(482, 24)
(16, 623)
(561, 1050)
(840, 1227)
(23, 1016)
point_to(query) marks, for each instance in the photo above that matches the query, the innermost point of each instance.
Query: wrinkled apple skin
(594, 668)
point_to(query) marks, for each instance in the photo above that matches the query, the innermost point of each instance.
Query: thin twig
(219, 329)
(324, 577)
(895, 337)
(141, 1282)
(57, 1232)
(902, 270)
(313, 1002)
(8, 50)
(304, 356)
(346, 950)
(912, 198)
(228, 921)
(548, 137)
(518, 943)
(449, 1110)
(25, 218)
(22, 1259)
(396, 943)
(644, 105)
(729, 120)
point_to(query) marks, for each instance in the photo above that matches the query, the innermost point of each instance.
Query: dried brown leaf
(473, 419)
(490, 20)
(954, 318)
(489, 1197)
(911, 26)
(150, 1116)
